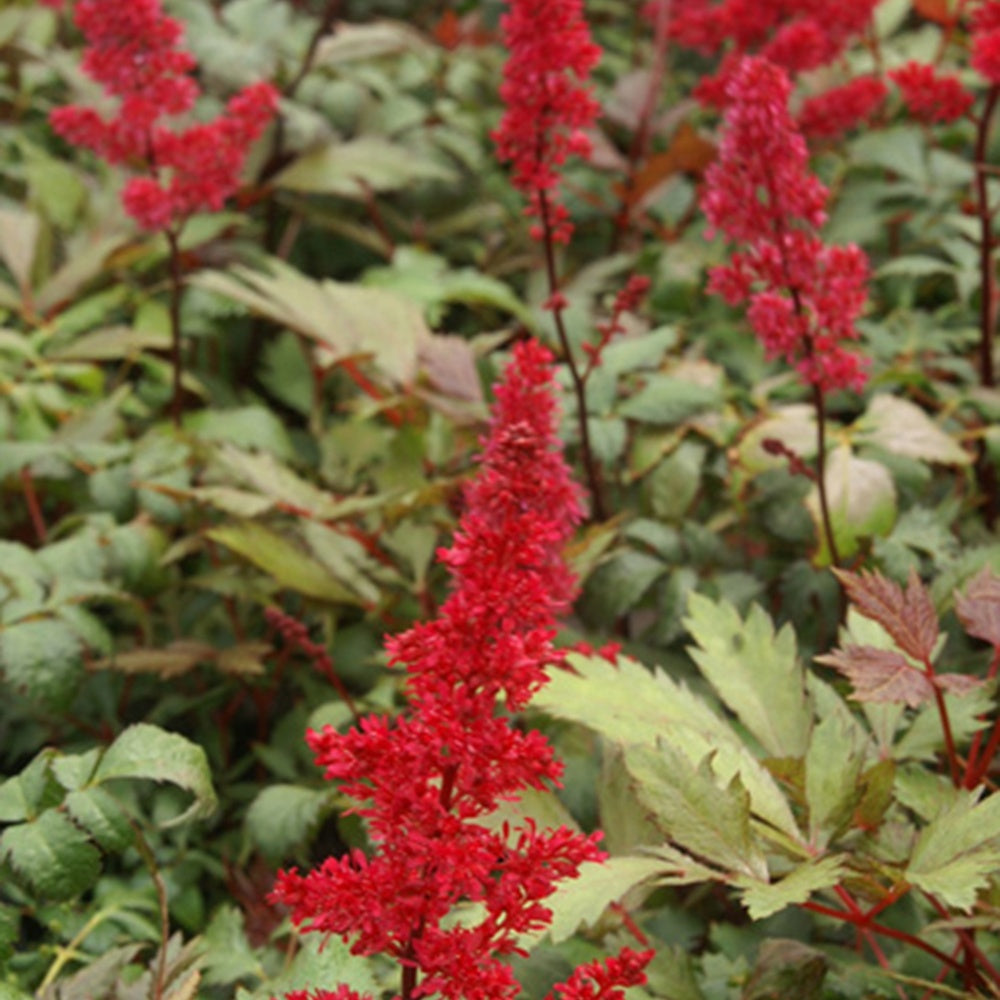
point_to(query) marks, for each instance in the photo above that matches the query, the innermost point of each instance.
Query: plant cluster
(322, 678)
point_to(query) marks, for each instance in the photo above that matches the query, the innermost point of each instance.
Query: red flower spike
(548, 102)
(133, 51)
(425, 781)
(931, 96)
(804, 296)
(985, 56)
(836, 111)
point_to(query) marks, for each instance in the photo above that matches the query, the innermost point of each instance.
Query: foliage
(236, 434)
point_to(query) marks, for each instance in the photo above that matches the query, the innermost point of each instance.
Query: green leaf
(582, 900)
(756, 672)
(35, 789)
(862, 499)
(321, 959)
(344, 558)
(286, 562)
(43, 658)
(147, 752)
(667, 399)
(245, 427)
(786, 970)
(97, 811)
(686, 801)
(359, 166)
(628, 704)
(903, 428)
(958, 852)
(228, 955)
(833, 768)
(763, 899)
(55, 857)
(282, 818)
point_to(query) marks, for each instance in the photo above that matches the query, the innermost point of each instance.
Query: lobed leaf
(978, 606)
(52, 854)
(147, 752)
(909, 617)
(881, 675)
(764, 899)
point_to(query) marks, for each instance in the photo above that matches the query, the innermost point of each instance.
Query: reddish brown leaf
(908, 617)
(880, 675)
(688, 153)
(978, 609)
(957, 683)
(935, 10)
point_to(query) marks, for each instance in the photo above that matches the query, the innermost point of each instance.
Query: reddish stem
(589, 464)
(34, 507)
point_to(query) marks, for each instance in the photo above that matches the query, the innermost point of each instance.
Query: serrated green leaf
(320, 959)
(903, 428)
(763, 899)
(286, 562)
(958, 851)
(228, 955)
(580, 901)
(24, 796)
(694, 810)
(97, 811)
(147, 752)
(344, 558)
(282, 818)
(244, 427)
(628, 704)
(756, 672)
(55, 857)
(833, 768)
(43, 658)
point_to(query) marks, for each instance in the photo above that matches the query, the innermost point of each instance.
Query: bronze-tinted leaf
(978, 609)
(909, 617)
(880, 675)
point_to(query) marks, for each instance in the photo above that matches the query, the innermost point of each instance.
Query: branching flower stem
(579, 386)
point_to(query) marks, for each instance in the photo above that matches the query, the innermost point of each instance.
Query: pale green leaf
(285, 561)
(793, 426)
(755, 671)
(833, 768)
(695, 810)
(903, 428)
(355, 168)
(763, 899)
(629, 704)
(147, 752)
(97, 811)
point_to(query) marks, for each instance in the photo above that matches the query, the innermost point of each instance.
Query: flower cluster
(804, 296)
(426, 781)
(548, 103)
(985, 57)
(931, 96)
(840, 109)
(796, 35)
(134, 52)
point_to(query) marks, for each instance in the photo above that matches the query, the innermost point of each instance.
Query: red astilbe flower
(804, 296)
(985, 58)
(840, 109)
(548, 102)
(931, 96)
(134, 51)
(797, 35)
(425, 781)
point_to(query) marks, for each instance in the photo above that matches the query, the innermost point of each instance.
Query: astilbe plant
(427, 781)
(134, 51)
(804, 296)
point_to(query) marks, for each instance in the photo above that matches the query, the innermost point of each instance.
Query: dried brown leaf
(880, 675)
(978, 609)
(909, 617)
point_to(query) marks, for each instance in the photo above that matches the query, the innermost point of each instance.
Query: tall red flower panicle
(804, 297)
(134, 51)
(931, 96)
(426, 780)
(985, 57)
(548, 102)
(796, 35)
